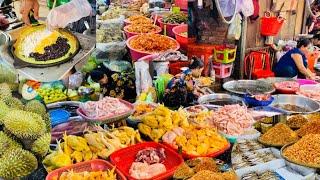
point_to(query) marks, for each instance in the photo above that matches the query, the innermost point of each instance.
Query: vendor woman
(294, 62)
(114, 84)
(181, 90)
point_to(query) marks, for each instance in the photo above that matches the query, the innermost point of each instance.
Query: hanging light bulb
(200, 4)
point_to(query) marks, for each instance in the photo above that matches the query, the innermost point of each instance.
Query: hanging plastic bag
(227, 7)
(234, 31)
(143, 78)
(246, 7)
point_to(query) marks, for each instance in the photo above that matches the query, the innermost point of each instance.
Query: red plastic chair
(257, 65)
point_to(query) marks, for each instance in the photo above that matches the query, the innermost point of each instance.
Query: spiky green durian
(4, 109)
(13, 103)
(42, 145)
(35, 107)
(24, 125)
(13, 87)
(47, 121)
(5, 91)
(7, 144)
(17, 163)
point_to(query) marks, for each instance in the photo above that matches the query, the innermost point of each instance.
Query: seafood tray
(250, 159)
(262, 175)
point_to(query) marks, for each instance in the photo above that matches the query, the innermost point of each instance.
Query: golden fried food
(183, 172)
(142, 109)
(296, 121)
(106, 175)
(279, 135)
(305, 151)
(209, 175)
(153, 43)
(313, 116)
(143, 28)
(311, 127)
(201, 141)
(206, 164)
(139, 19)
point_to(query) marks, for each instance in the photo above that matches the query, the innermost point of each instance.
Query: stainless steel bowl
(253, 86)
(218, 100)
(273, 80)
(310, 105)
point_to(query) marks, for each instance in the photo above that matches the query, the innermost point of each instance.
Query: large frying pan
(20, 62)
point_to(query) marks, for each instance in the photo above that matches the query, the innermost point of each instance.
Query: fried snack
(209, 175)
(139, 19)
(311, 127)
(305, 151)
(152, 43)
(143, 28)
(142, 109)
(313, 116)
(183, 172)
(296, 121)
(279, 135)
(206, 164)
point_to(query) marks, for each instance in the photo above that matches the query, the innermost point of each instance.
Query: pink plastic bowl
(183, 40)
(306, 81)
(169, 27)
(130, 34)
(136, 54)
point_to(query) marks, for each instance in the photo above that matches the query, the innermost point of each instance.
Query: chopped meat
(151, 155)
(139, 170)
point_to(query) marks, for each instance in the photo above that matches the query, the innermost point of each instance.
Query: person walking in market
(63, 13)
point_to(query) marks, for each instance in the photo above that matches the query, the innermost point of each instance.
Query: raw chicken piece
(139, 170)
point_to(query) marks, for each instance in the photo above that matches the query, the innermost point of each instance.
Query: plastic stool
(222, 70)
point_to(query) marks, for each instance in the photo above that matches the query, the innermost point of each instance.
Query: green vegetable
(176, 18)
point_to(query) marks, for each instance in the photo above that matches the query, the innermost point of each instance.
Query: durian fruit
(5, 91)
(35, 107)
(7, 144)
(13, 86)
(47, 121)
(4, 109)
(17, 163)
(13, 102)
(42, 145)
(24, 125)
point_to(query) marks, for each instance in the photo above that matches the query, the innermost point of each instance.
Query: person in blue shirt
(294, 63)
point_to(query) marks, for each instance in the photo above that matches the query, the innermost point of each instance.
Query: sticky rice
(31, 41)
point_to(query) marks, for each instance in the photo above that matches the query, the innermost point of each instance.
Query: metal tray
(253, 86)
(307, 103)
(205, 99)
(20, 63)
(296, 162)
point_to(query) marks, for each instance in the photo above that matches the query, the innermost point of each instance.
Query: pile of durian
(25, 136)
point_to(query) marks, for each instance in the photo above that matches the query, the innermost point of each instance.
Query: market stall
(161, 96)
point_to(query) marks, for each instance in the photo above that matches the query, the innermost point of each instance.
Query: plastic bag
(75, 80)
(234, 31)
(73, 11)
(143, 77)
(111, 21)
(118, 66)
(227, 7)
(161, 67)
(246, 7)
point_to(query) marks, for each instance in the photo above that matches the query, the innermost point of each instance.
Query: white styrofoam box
(300, 169)
(276, 152)
(291, 175)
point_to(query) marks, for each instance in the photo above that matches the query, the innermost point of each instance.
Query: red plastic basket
(185, 155)
(93, 165)
(270, 26)
(123, 159)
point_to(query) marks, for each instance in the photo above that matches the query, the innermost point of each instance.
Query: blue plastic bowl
(59, 116)
(253, 102)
